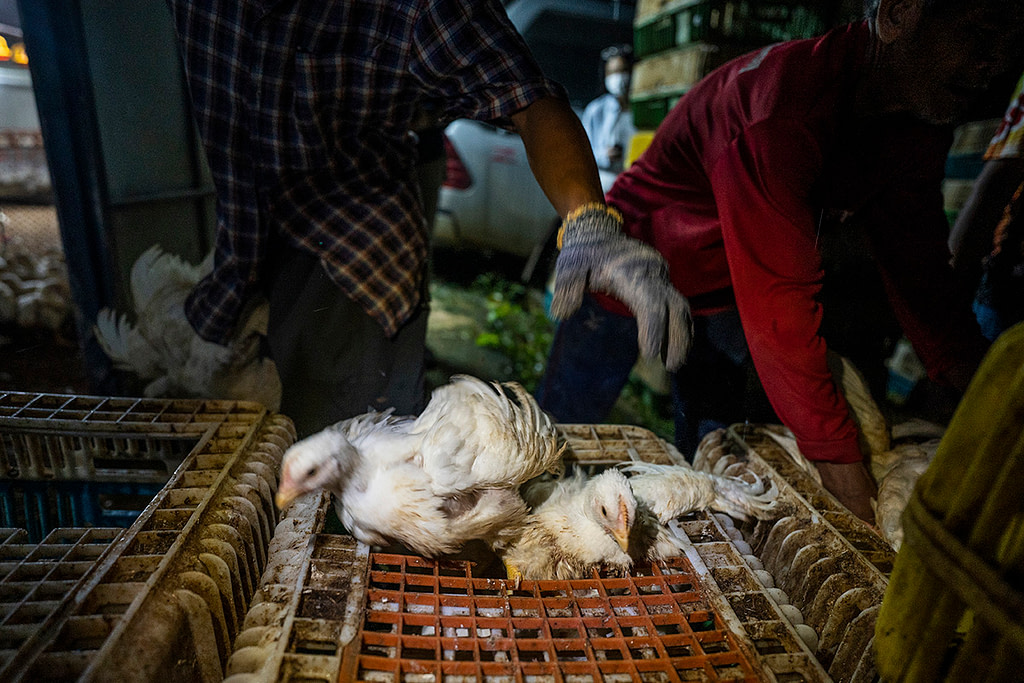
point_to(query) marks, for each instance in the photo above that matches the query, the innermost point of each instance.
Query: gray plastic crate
(166, 599)
(35, 579)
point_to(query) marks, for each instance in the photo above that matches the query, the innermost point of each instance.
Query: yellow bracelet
(592, 206)
(582, 209)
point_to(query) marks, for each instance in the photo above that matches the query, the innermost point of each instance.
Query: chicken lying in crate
(482, 462)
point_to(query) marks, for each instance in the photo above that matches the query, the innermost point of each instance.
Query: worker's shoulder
(802, 70)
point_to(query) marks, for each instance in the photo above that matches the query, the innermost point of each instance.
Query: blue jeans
(594, 351)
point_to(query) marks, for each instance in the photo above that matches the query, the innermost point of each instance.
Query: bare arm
(559, 153)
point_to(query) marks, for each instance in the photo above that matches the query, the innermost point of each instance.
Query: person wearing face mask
(607, 119)
(755, 169)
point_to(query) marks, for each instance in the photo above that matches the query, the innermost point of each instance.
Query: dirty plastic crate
(832, 566)
(35, 579)
(599, 444)
(330, 609)
(165, 600)
(74, 461)
(40, 506)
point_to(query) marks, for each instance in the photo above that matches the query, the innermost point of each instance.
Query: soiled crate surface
(330, 608)
(35, 579)
(165, 599)
(437, 618)
(591, 444)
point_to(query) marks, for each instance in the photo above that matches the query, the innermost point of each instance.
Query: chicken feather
(432, 482)
(125, 345)
(475, 434)
(163, 349)
(897, 457)
(582, 523)
(674, 490)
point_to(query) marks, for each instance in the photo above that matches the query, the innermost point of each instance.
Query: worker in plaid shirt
(305, 109)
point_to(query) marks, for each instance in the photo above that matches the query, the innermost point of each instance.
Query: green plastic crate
(727, 22)
(649, 111)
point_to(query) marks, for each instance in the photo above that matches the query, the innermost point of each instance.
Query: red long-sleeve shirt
(733, 189)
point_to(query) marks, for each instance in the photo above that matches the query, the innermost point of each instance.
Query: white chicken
(897, 458)
(897, 470)
(164, 350)
(433, 482)
(584, 524)
(674, 490)
(611, 522)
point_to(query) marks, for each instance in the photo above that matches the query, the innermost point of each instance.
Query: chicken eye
(604, 511)
(311, 472)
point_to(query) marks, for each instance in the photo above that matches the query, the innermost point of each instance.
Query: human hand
(595, 254)
(852, 485)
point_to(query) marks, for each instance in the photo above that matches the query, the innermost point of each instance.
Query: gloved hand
(595, 254)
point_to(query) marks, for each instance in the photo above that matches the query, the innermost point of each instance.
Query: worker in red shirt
(747, 170)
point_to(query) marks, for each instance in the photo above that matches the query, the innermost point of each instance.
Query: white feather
(474, 433)
(125, 346)
(672, 490)
(163, 349)
(585, 523)
(434, 482)
(573, 531)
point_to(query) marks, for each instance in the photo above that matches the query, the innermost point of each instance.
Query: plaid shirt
(305, 109)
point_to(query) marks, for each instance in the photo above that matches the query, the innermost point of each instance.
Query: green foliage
(642, 406)
(517, 326)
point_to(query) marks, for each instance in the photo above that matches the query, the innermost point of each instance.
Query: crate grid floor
(433, 617)
(329, 608)
(35, 579)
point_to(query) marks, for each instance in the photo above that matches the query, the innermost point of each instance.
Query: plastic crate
(833, 567)
(650, 110)
(722, 21)
(330, 609)
(165, 600)
(35, 579)
(73, 461)
(41, 506)
(679, 69)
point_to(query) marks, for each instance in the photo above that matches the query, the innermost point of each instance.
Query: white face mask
(617, 83)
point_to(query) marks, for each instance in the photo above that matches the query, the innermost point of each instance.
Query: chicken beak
(283, 498)
(287, 491)
(621, 532)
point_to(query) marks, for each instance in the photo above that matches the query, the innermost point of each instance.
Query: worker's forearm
(559, 154)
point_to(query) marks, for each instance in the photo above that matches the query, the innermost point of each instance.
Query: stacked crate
(965, 161)
(164, 597)
(36, 578)
(678, 42)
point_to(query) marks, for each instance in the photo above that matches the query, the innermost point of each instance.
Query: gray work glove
(596, 255)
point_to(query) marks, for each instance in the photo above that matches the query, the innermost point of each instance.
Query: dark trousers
(334, 360)
(594, 351)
